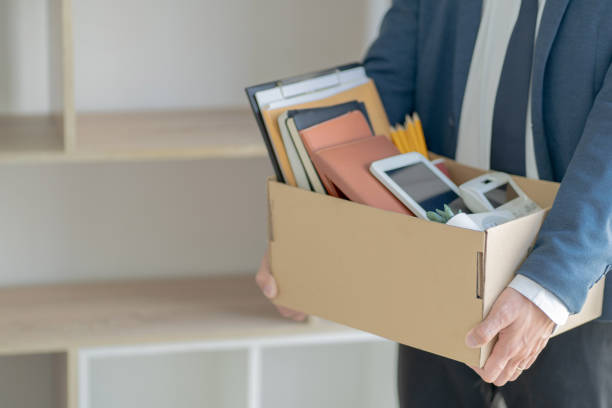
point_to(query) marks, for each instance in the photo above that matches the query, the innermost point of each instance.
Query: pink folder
(348, 167)
(348, 127)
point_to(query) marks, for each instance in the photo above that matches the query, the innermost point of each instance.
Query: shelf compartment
(23, 134)
(36, 103)
(33, 381)
(348, 376)
(188, 379)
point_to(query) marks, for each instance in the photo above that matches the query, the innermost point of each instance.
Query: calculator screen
(501, 195)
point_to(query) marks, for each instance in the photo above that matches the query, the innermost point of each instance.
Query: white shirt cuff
(542, 298)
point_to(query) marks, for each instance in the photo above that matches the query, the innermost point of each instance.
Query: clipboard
(261, 95)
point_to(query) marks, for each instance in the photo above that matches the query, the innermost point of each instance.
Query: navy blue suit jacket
(420, 62)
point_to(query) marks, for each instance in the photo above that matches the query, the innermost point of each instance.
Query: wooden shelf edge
(221, 152)
(65, 318)
(127, 136)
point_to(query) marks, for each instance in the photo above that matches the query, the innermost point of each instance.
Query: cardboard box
(409, 280)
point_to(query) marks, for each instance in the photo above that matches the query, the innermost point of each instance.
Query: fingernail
(270, 290)
(471, 341)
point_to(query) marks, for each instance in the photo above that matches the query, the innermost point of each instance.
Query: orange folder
(348, 127)
(348, 167)
(365, 93)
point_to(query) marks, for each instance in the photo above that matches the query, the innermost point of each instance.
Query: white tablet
(418, 184)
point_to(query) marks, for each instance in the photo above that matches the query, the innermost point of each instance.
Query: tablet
(418, 184)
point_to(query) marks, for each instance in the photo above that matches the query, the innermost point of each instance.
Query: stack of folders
(324, 130)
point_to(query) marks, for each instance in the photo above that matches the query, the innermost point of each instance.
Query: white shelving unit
(86, 194)
(211, 341)
(63, 134)
(255, 372)
(67, 132)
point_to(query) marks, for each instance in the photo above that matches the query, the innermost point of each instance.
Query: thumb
(265, 280)
(487, 329)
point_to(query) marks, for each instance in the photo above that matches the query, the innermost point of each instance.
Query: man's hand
(523, 331)
(267, 284)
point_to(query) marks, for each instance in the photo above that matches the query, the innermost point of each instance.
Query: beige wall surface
(93, 221)
(157, 54)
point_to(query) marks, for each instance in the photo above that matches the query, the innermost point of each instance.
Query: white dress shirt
(474, 143)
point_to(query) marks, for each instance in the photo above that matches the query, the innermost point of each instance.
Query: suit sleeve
(574, 248)
(391, 60)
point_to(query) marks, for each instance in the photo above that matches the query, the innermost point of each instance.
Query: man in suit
(522, 86)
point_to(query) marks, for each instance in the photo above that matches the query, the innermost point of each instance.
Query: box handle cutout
(480, 277)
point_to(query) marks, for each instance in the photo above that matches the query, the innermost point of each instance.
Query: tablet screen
(426, 188)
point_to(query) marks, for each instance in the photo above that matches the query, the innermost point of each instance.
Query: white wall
(143, 54)
(97, 221)
(28, 71)
(59, 221)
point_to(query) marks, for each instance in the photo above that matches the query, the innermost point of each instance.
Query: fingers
(265, 280)
(521, 327)
(534, 356)
(267, 284)
(503, 361)
(512, 370)
(291, 314)
(516, 366)
(481, 372)
(500, 317)
(516, 375)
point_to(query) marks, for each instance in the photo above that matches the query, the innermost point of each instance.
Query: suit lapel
(468, 23)
(549, 27)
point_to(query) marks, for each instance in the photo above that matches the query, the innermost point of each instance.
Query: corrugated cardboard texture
(397, 276)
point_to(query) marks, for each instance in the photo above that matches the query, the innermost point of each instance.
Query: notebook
(348, 127)
(348, 167)
(302, 153)
(296, 163)
(296, 120)
(366, 93)
(305, 118)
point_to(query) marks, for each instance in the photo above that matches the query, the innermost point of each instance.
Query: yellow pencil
(405, 139)
(412, 136)
(395, 139)
(419, 127)
(419, 133)
(398, 138)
